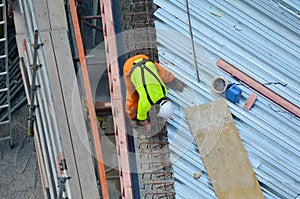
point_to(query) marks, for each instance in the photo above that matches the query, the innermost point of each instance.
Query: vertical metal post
(7, 71)
(31, 117)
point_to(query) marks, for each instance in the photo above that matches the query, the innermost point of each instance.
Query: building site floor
(19, 170)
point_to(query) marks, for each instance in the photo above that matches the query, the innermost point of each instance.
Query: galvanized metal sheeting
(261, 38)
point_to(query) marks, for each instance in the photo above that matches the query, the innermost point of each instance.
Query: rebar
(192, 40)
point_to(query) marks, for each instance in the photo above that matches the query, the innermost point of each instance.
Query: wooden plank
(75, 117)
(222, 151)
(57, 15)
(281, 101)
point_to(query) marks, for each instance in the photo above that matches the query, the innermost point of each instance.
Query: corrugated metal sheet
(261, 38)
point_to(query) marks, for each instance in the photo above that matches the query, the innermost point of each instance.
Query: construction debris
(233, 93)
(275, 97)
(197, 175)
(250, 101)
(219, 84)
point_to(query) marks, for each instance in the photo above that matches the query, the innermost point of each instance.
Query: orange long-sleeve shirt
(132, 96)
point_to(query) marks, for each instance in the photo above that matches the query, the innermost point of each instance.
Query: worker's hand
(148, 128)
(178, 85)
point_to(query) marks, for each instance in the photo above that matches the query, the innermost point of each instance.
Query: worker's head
(166, 109)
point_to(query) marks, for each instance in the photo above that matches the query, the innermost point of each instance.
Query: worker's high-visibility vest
(148, 84)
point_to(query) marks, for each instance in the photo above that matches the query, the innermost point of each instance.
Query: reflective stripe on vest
(143, 66)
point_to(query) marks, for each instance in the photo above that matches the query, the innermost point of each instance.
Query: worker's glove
(148, 118)
(148, 128)
(176, 84)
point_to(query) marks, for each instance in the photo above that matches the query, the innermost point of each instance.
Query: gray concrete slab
(74, 111)
(57, 15)
(42, 15)
(61, 114)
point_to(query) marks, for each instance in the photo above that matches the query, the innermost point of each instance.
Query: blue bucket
(233, 93)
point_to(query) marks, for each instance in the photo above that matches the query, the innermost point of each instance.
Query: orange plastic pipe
(89, 100)
(281, 101)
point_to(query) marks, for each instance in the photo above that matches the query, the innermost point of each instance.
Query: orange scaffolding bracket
(281, 101)
(89, 100)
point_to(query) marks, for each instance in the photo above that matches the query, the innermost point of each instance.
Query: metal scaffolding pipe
(46, 103)
(4, 18)
(43, 146)
(41, 163)
(40, 157)
(42, 109)
(33, 85)
(40, 136)
(50, 100)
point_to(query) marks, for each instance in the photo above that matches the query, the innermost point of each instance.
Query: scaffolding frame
(5, 73)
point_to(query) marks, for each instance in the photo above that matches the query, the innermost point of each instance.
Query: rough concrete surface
(19, 170)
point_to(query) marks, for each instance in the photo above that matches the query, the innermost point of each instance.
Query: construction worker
(145, 86)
